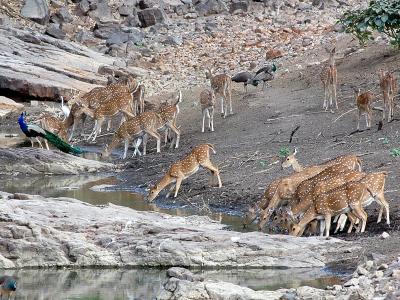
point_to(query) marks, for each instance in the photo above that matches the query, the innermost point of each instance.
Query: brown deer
(388, 85)
(348, 197)
(207, 103)
(363, 102)
(221, 84)
(138, 99)
(288, 185)
(199, 156)
(352, 161)
(329, 81)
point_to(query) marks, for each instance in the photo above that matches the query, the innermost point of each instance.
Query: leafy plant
(395, 152)
(284, 151)
(385, 141)
(381, 15)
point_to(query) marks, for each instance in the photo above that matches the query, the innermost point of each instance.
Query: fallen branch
(344, 114)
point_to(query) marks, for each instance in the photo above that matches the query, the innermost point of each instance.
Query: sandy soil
(249, 141)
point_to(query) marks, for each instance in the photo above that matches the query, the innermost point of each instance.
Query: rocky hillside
(168, 43)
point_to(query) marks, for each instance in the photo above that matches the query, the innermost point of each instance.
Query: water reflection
(100, 189)
(146, 284)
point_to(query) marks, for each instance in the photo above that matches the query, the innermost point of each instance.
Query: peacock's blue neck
(22, 123)
(12, 285)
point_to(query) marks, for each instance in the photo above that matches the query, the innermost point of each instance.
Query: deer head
(290, 160)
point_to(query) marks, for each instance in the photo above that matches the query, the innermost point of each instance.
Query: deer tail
(211, 146)
(179, 98)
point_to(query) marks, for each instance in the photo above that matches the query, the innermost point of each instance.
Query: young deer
(207, 102)
(221, 84)
(138, 99)
(388, 85)
(348, 197)
(329, 81)
(200, 156)
(363, 102)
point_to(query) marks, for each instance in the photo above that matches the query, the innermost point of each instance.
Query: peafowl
(244, 77)
(8, 286)
(34, 131)
(264, 74)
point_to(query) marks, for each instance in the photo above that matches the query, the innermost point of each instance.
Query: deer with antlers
(388, 85)
(363, 102)
(221, 84)
(207, 103)
(329, 81)
(198, 157)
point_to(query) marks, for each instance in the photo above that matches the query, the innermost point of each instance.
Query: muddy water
(147, 283)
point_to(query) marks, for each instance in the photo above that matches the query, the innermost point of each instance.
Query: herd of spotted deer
(299, 202)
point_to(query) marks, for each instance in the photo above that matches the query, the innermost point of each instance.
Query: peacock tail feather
(60, 144)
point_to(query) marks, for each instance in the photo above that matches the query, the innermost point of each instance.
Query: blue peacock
(34, 132)
(8, 286)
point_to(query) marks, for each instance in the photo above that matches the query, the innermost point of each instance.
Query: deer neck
(331, 61)
(166, 180)
(297, 167)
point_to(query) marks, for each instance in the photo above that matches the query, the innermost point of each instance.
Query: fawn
(199, 156)
(207, 102)
(221, 84)
(388, 85)
(363, 102)
(329, 81)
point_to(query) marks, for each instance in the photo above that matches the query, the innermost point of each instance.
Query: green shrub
(381, 15)
(284, 152)
(395, 152)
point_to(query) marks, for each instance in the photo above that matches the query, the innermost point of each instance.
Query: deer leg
(208, 165)
(39, 142)
(136, 144)
(230, 103)
(360, 213)
(109, 124)
(157, 137)
(358, 120)
(211, 111)
(31, 139)
(145, 139)
(204, 118)
(222, 107)
(178, 184)
(177, 132)
(328, 219)
(97, 128)
(325, 105)
(384, 205)
(341, 222)
(126, 145)
(47, 144)
(322, 225)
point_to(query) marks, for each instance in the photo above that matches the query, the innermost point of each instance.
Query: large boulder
(151, 16)
(7, 106)
(210, 7)
(36, 10)
(66, 232)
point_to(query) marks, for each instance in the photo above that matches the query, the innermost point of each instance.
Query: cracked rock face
(47, 232)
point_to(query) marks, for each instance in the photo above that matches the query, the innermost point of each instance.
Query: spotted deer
(374, 182)
(352, 161)
(363, 102)
(207, 103)
(98, 96)
(348, 197)
(180, 170)
(288, 185)
(329, 81)
(138, 99)
(388, 85)
(221, 84)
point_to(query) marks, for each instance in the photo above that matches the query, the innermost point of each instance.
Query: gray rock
(362, 271)
(38, 161)
(84, 6)
(47, 57)
(36, 10)
(8, 106)
(307, 41)
(134, 35)
(133, 19)
(62, 16)
(151, 16)
(183, 274)
(69, 232)
(55, 31)
(125, 10)
(210, 7)
(173, 40)
(102, 12)
(237, 6)
(86, 38)
(104, 30)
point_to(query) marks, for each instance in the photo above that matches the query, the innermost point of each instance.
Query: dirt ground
(248, 142)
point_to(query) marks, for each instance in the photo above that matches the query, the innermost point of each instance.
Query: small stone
(34, 103)
(378, 274)
(337, 287)
(306, 42)
(361, 271)
(385, 235)
(369, 264)
(352, 282)
(55, 31)
(383, 267)
(396, 274)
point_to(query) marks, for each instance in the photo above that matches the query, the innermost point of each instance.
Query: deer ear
(295, 151)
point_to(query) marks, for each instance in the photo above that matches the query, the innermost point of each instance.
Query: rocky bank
(47, 232)
(371, 280)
